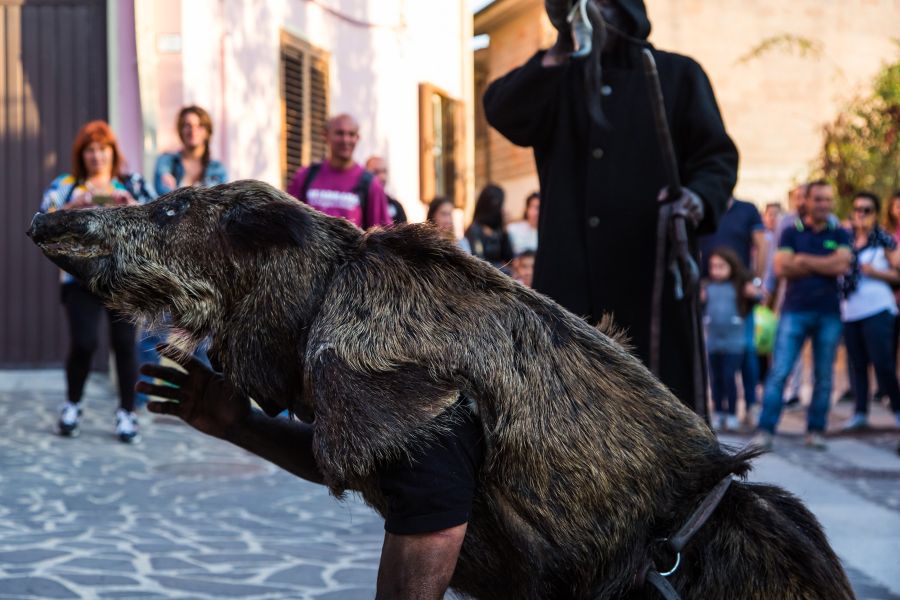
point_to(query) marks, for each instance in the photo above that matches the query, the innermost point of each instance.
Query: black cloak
(599, 184)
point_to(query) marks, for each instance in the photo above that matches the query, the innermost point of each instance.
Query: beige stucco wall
(229, 64)
(774, 103)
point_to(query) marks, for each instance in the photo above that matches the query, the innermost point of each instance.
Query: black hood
(637, 12)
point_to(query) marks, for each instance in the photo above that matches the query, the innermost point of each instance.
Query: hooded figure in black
(600, 182)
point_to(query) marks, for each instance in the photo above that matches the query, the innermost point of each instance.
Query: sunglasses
(864, 210)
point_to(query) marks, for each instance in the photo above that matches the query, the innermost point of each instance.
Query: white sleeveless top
(871, 296)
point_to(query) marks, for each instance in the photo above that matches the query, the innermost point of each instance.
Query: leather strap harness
(649, 574)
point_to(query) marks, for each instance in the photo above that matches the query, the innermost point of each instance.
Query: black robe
(599, 185)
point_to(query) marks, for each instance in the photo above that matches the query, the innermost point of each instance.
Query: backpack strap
(361, 189)
(311, 173)
(69, 193)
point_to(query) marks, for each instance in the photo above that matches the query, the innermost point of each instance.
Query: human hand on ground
(199, 396)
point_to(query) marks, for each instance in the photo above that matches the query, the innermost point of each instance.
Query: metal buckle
(677, 561)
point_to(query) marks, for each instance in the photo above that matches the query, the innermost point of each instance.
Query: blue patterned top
(170, 162)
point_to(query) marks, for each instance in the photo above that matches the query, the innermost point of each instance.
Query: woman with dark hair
(869, 310)
(98, 179)
(523, 235)
(892, 225)
(486, 236)
(192, 165)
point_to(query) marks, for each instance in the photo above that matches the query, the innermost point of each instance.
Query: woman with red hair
(97, 180)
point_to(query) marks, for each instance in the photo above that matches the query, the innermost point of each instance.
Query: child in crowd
(726, 306)
(523, 268)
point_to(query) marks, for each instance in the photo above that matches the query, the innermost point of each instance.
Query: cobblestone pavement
(181, 515)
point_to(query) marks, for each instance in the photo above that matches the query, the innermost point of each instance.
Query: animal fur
(589, 459)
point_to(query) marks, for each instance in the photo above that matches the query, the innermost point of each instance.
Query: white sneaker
(816, 441)
(127, 426)
(856, 422)
(718, 422)
(732, 423)
(68, 419)
(762, 440)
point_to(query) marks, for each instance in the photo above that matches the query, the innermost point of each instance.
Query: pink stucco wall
(127, 102)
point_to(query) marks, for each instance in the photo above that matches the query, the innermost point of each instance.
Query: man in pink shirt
(340, 187)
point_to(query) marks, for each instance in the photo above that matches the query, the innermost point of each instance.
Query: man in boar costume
(514, 450)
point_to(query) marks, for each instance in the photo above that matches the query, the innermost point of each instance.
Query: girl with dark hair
(869, 309)
(97, 179)
(440, 214)
(486, 236)
(726, 307)
(192, 165)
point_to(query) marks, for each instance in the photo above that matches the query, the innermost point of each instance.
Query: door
(53, 79)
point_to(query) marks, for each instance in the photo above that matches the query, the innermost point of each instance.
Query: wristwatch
(757, 282)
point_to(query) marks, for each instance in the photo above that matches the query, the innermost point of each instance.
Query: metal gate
(53, 79)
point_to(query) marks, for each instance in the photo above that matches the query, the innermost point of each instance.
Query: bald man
(339, 186)
(378, 167)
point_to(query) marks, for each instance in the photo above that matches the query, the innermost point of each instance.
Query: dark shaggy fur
(589, 459)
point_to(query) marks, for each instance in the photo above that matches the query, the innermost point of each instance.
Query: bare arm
(792, 265)
(788, 267)
(761, 245)
(205, 400)
(415, 567)
(832, 265)
(282, 442)
(890, 275)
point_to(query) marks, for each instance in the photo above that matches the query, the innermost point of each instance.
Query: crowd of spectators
(827, 281)
(824, 279)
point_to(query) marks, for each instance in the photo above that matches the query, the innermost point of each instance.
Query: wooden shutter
(318, 106)
(304, 103)
(426, 144)
(442, 154)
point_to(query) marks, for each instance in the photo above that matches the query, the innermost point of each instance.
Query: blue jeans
(723, 369)
(824, 329)
(868, 342)
(750, 365)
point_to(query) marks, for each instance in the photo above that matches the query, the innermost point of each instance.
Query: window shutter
(442, 147)
(292, 62)
(318, 107)
(426, 144)
(304, 104)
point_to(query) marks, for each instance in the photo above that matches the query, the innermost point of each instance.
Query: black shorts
(433, 489)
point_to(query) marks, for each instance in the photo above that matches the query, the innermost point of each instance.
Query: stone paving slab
(180, 515)
(185, 516)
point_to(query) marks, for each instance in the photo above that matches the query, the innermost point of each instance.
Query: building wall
(511, 166)
(774, 101)
(380, 52)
